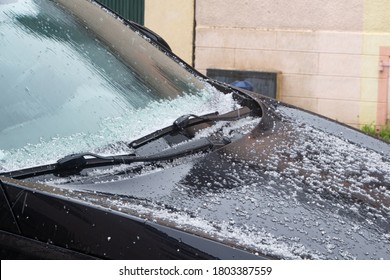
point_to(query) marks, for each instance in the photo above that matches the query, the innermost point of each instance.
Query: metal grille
(129, 9)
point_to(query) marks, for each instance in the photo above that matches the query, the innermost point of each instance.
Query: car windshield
(79, 80)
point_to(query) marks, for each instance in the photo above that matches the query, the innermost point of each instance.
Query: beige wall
(315, 44)
(328, 51)
(174, 21)
(281, 14)
(375, 99)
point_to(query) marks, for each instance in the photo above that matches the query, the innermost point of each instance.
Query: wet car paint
(74, 230)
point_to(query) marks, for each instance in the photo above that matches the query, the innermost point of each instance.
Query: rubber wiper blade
(73, 164)
(189, 120)
(68, 165)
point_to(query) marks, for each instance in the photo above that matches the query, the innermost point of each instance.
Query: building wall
(375, 48)
(327, 51)
(174, 21)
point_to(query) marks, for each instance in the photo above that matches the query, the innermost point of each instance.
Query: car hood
(296, 186)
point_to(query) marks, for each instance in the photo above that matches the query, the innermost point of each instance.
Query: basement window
(264, 83)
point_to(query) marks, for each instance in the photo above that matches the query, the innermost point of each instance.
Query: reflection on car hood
(293, 191)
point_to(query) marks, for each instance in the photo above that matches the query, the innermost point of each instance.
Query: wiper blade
(189, 120)
(75, 163)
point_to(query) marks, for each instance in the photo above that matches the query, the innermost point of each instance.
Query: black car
(111, 147)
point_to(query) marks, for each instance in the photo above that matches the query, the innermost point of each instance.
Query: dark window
(132, 10)
(263, 82)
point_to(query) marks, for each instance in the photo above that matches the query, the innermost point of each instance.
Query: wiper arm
(189, 120)
(75, 163)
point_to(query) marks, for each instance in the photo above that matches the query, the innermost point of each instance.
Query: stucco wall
(286, 14)
(375, 48)
(376, 16)
(174, 21)
(327, 51)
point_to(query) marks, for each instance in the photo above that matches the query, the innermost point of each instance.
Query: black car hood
(299, 188)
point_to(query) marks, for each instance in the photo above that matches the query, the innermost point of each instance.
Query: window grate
(264, 83)
(133, 10)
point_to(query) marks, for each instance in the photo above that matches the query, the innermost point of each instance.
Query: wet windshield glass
(66, 88)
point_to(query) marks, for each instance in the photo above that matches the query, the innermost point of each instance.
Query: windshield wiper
(189, 120)
(73, 164)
